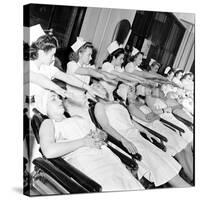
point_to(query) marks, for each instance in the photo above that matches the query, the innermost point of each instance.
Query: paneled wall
(186, 54)
(99, 25)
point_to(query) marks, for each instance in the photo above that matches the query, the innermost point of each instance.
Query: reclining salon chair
(62, 177)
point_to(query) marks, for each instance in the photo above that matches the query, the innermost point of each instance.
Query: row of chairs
(56, 176)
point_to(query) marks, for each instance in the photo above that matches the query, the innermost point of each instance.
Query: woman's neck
(57, 118)
(80, 62)
(37, 63)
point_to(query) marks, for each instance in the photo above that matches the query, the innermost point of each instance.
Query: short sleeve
(107, 67)
(72, 67)
(129, 68)
(49, 71)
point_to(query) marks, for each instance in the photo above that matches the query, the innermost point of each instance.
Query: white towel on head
(41, 101)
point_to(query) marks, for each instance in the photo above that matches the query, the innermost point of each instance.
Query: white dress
(99, 164)
(156, 165)
(187, 136)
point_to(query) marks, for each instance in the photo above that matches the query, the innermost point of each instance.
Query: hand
(129, 146)
(168, 110)
(90, 141)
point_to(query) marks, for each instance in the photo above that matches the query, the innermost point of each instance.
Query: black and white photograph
(108, 102)
(109, 94)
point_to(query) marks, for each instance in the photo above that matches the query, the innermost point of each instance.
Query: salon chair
(61, 174)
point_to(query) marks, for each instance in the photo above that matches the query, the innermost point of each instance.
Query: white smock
(99, 164)
(156, 165)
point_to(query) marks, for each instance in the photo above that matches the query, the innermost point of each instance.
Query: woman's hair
(75, 55)
(154, 64)
(115, 54)
(132, 58)
(185, 75)
(177, 72)
(115, 94)
(45, 43)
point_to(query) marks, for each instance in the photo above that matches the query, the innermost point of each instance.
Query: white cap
(78, 44)
(167, 69)
(31, 34)
(113, 47)
(134, 51)
(151, 61)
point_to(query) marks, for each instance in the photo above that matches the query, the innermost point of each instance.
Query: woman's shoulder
(129, 67)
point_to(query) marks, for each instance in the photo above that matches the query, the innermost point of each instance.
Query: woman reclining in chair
(156, 165)
(72, 139)
(177, 146)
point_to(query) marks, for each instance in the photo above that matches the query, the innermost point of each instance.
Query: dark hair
(185, 75)
(154, 64)
(115, 95)
(132, 58)
(177, 72)
(45, 43)
(75, 55)
(115, 54)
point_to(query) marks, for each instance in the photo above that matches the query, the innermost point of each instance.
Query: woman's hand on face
(129, 146)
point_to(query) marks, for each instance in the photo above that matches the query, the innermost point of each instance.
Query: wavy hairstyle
(75, 55)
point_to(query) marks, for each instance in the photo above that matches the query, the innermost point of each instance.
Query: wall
(186, 54)
(99, 25)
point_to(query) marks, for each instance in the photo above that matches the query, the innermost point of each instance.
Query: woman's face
(100, 89)
(54, 104)
(85, 56)
(131, 93)
(46, 58)
(119, 60)
(138, 60)
(155, 68)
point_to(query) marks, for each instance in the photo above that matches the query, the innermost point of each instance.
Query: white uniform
(99, 164)
(156, 165)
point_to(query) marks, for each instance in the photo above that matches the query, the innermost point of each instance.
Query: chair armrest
(185, 121)
(154, 133)
(172, 125)
(125, 159)
(59, 176)
(136, 156)
(76, 174)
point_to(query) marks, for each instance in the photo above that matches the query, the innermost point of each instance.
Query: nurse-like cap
(78, 44)
(41, 100)
(113, 47)
(31, 34)
(167, 69)
(151, 61)
(134, 51)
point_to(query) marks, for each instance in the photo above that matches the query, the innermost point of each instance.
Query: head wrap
(41, 100)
